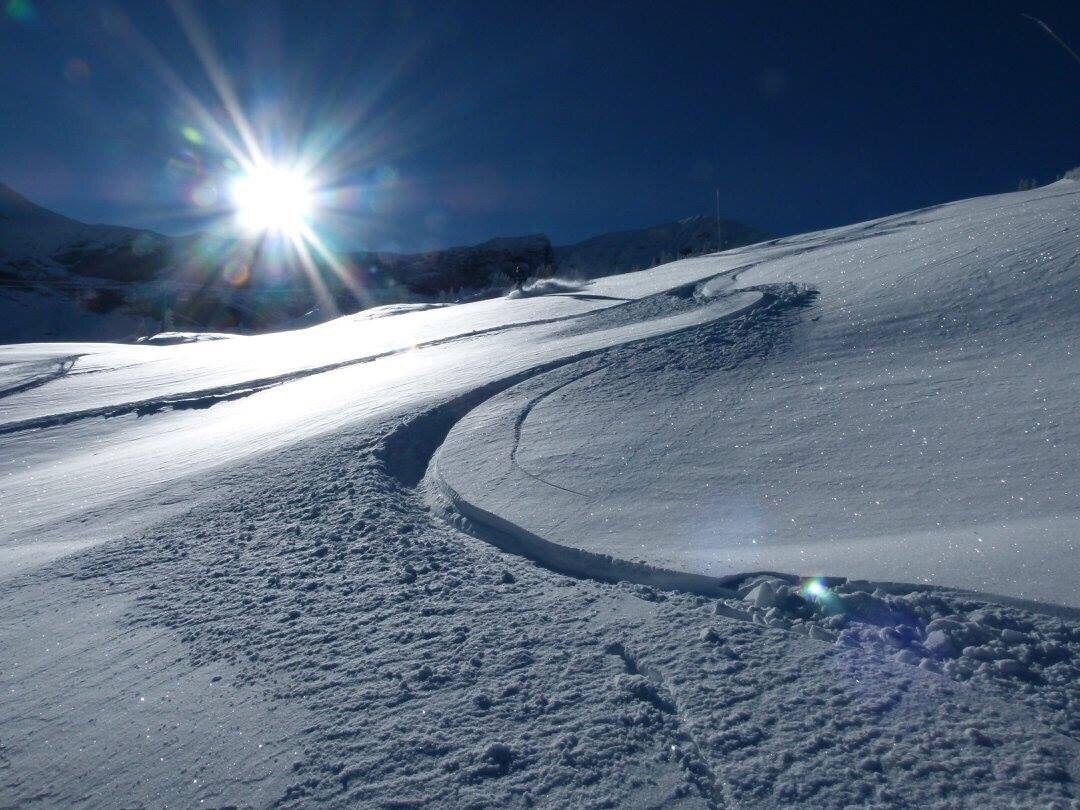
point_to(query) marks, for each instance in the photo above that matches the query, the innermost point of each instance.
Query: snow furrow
(486, 451)
(916, 426)
(13, 382)
(511, 537)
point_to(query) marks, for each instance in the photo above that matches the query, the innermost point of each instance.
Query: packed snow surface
(552, 550)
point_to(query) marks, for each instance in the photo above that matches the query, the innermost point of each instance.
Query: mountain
(28, 231)
(473, 267)
(61, 279)
(623, 251)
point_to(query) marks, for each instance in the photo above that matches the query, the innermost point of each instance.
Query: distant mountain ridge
(61, 279)
(461, 268)
(624, 251)
(29, 232)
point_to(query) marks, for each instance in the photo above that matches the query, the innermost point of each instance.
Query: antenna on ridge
(719, 241)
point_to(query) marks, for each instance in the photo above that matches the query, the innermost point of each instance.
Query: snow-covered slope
(903, 411)
(267, 570)
(911, 419)
(27, 229)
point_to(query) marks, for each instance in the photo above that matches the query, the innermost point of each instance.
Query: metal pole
(719, 243)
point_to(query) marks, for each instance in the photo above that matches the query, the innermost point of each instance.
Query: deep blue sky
(478, 119)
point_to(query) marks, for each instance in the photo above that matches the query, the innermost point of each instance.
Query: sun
(273, 199)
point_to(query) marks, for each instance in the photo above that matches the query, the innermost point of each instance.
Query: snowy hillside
(510, 553)
(909, 416)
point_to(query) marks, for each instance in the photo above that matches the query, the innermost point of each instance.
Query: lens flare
(204, 195)
(237, 273)
(21, 11)
(77, 71)
(273, 195)
(815, 589)
(273, 199)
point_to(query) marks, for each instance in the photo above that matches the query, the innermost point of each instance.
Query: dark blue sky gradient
(480, 119)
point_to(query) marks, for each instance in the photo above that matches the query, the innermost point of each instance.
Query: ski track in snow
(293, 624)
(27, 375)
(207, 397)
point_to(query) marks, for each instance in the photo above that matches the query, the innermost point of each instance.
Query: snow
(545, 286)
(49, 232)
(172, 338)
(147, 432)
(503, 553)
(913, 422)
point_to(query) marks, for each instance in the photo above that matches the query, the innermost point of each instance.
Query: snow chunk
(545, 286)
(763, 595)
(176, 338)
